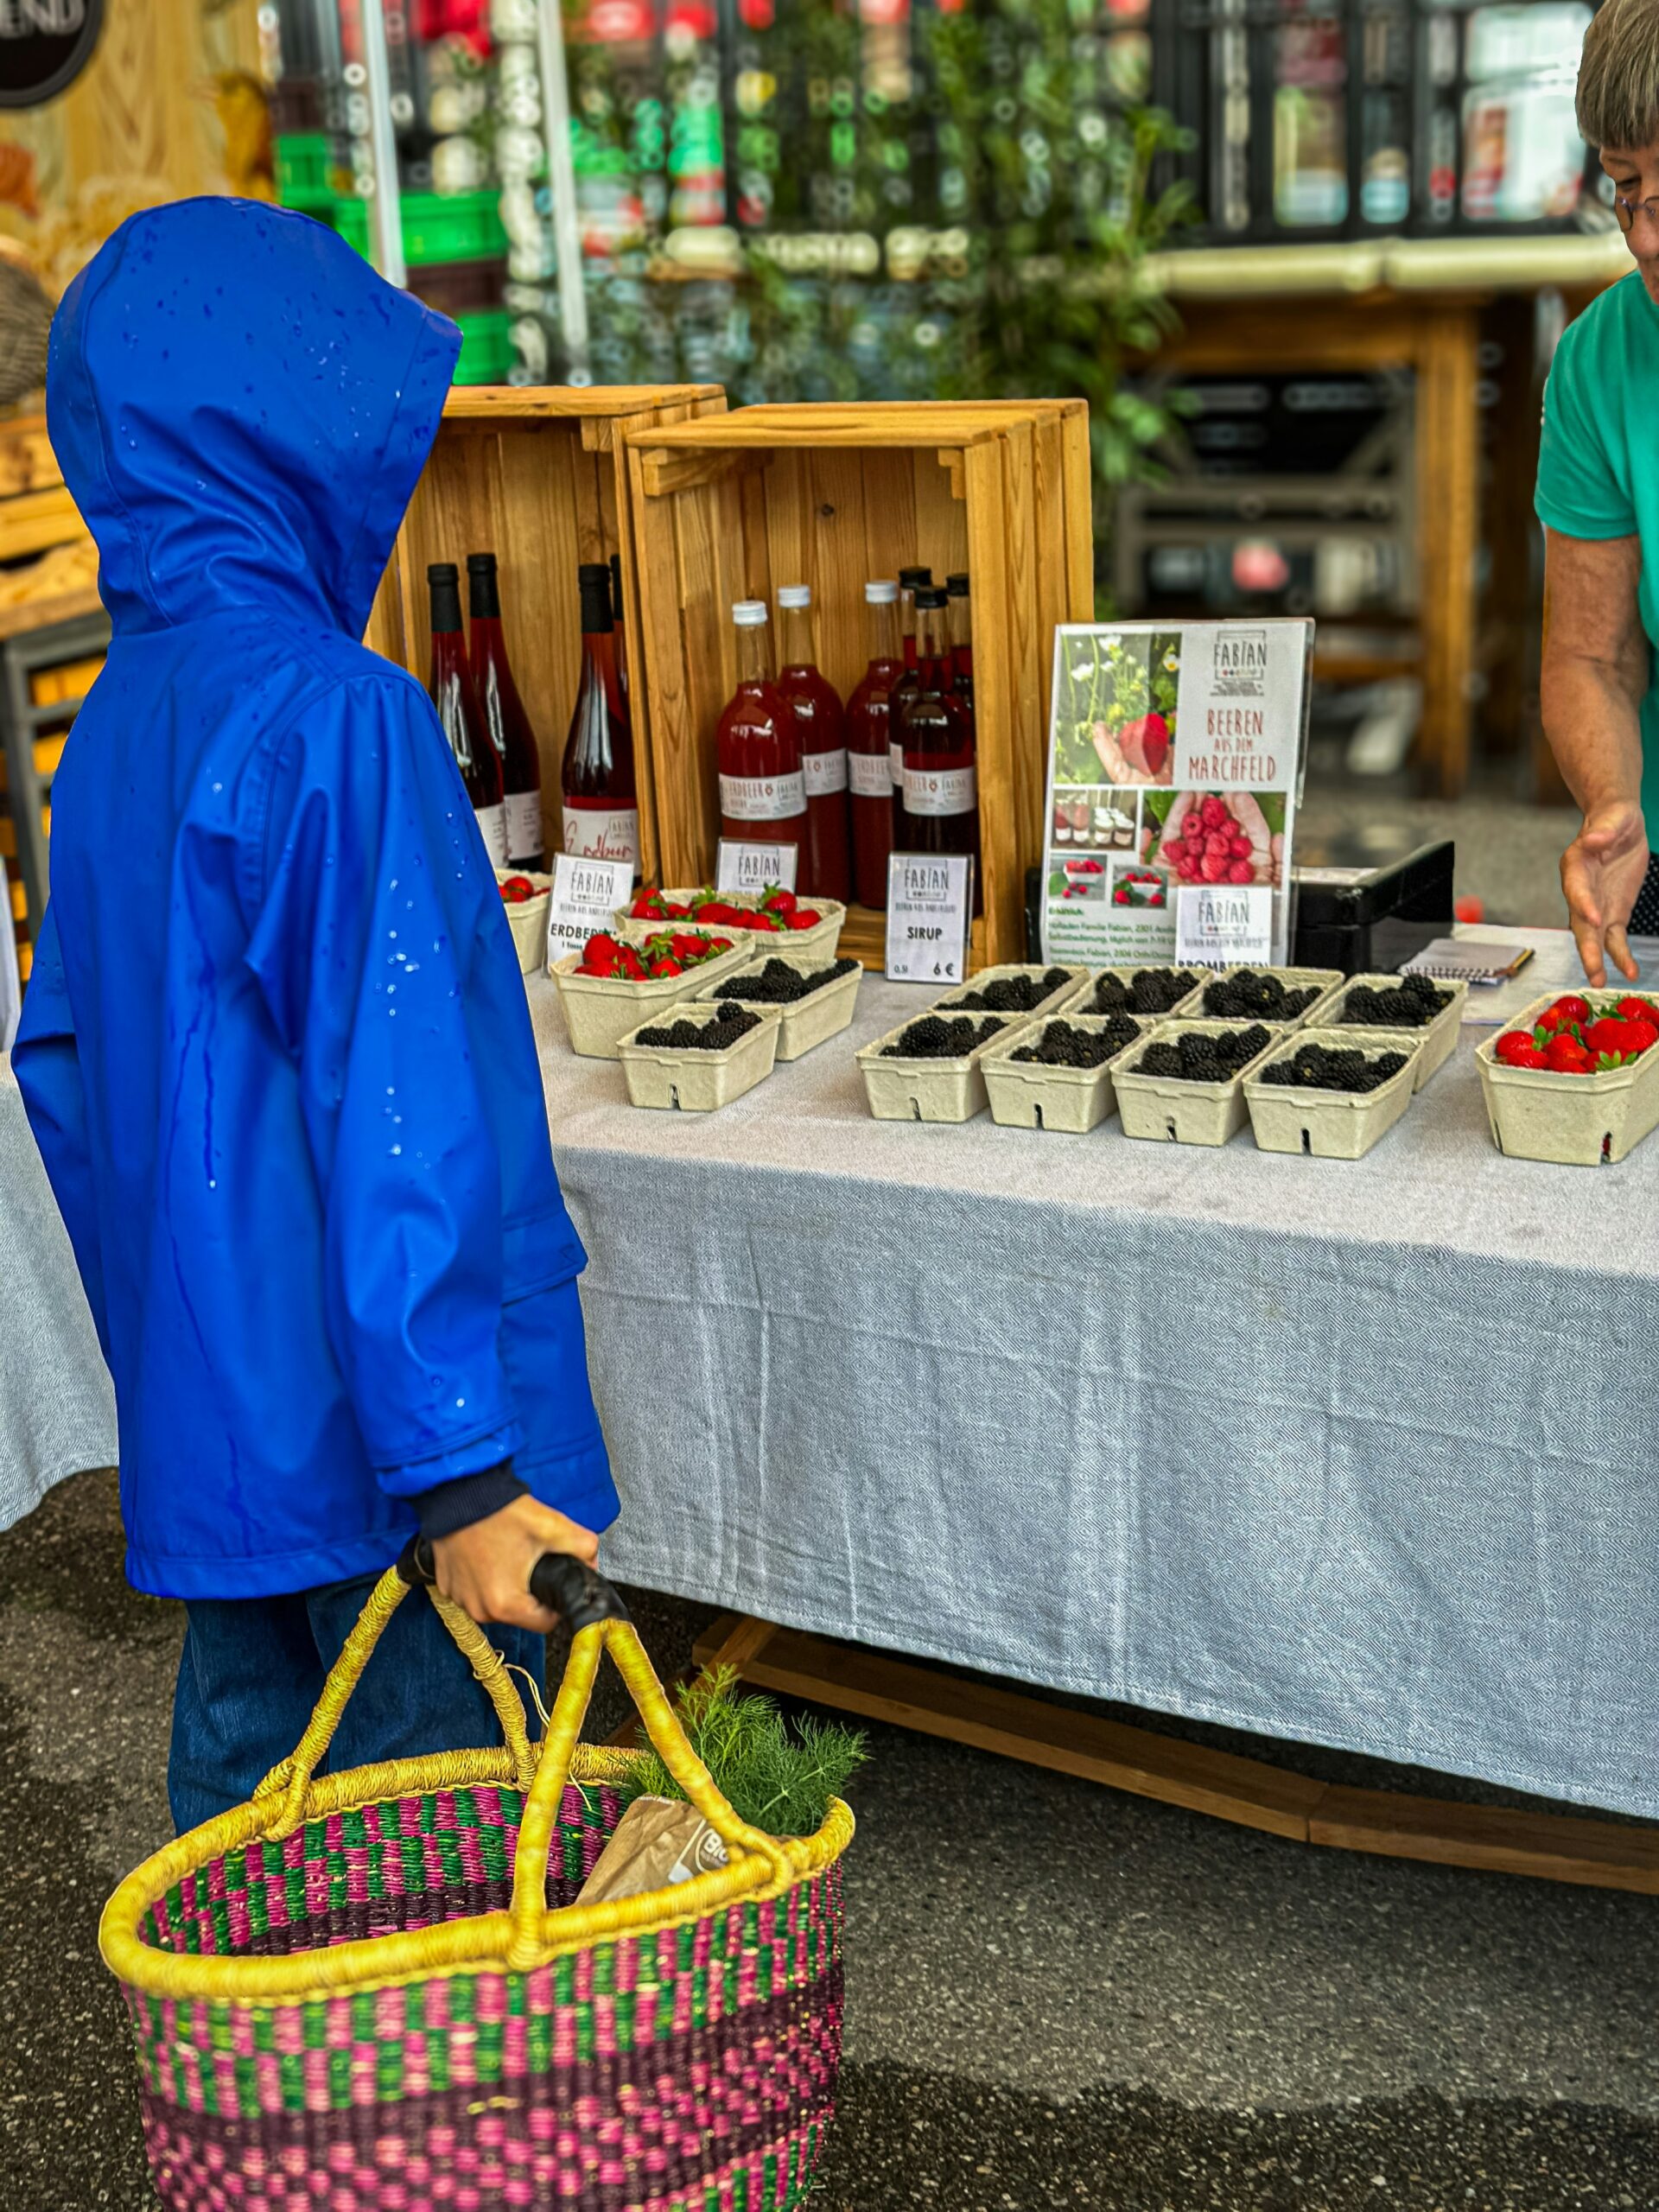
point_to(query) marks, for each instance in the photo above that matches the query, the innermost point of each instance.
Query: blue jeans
(253, 1669)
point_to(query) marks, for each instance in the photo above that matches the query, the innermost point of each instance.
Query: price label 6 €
(930, 902)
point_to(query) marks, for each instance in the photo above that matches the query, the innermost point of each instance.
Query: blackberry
(937, 1036)
(1321, 1067)
(778, 984)
(1412, 1003)
(1061, 1046)
(1011, 993)
(729, 1024)
(1256, 994)
(1203, 1055)
(1154, 990)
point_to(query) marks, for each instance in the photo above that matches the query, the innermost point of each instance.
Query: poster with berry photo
(1175, 762)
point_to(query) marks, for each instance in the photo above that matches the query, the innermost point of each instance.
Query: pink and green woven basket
(373, 1992)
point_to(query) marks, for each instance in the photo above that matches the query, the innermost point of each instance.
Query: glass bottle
(505, 722)
(962, 641)
(601, 809)
(451, 687)
(869, 751)
(762, 790)
(825, 870)
(941, 787)
(911, 581)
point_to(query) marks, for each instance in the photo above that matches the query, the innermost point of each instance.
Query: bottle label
(871, 774)
(493, 822)
(762, 799)
(602, 833)
(523, 825)
(895, 767)
(940, 791)
(824, 774)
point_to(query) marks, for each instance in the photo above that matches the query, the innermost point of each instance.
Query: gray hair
(1618, 76)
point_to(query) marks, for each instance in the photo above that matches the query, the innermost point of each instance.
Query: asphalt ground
(1057, 1996)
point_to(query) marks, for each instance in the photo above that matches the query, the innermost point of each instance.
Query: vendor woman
(1599, 499)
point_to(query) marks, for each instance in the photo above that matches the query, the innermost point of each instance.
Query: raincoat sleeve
(46, 1063)
(369, 878)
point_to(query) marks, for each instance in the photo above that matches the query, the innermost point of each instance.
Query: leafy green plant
(777, 1779)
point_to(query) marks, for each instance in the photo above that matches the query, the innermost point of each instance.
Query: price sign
(742, 866)
(586, 894)
(930, 904)
(1221, 925)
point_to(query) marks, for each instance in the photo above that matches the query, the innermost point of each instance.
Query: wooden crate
(731, 508)
(534, 474)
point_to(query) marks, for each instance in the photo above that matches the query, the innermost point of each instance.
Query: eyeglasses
(1628, 209)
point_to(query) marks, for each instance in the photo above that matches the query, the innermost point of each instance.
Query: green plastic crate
(304, 160)
(487, 353)
(451, 226)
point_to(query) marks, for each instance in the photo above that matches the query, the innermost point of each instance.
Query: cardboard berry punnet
(1575, 1080)
(610, 987)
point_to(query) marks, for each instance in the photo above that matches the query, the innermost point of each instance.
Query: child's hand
(486, 1569)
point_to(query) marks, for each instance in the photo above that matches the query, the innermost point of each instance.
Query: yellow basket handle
(600, 1621)
(291, 1777)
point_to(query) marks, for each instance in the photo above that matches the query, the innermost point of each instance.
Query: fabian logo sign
(44, 46)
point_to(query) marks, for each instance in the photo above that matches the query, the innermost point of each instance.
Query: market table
(1357, 1454)
(1354, 1454)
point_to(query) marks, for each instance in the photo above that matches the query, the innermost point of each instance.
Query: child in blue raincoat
(275, 1051)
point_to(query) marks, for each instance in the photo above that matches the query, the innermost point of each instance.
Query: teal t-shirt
(1598, 461)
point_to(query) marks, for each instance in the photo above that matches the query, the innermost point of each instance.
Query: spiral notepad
(1456, 959)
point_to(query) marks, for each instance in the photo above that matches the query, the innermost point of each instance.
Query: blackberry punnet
(1154, 990)
(778, 984)
(1203, 1055)
(1323, 1067)
(731, 1023)
(1256, 994)
(1412, 1003)
(939, 1037)
(1061, 1046)
(1012, 994)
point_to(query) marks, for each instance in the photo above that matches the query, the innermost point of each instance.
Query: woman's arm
(1595, 672)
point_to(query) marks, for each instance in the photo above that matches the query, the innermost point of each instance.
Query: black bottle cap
(957, 586)
(930, 596)
(594, 578)
(444, 578)
(484, 589)
(910, 579)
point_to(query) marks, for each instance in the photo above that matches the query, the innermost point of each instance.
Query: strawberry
(517, 889)
(1554, 1019)
(1634, 1009)
(1644, 1031)
(1565, 1056)
(762, 922)
(803, 917)
(647, 906)
(631, 965)
(776, 900)
(720, 944)
(1608, 1035)
(1571, 1008)
(667, 965)
(1512, 1045)
(1120, 896)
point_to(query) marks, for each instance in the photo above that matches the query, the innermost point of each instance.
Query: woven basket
(373, 1991)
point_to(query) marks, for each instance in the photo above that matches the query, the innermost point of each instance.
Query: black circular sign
(44, 46)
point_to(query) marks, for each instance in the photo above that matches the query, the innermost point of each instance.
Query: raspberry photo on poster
(1236, 837)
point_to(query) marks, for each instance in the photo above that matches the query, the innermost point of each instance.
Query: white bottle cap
(880, 595)
(794, 595)
(750, 613)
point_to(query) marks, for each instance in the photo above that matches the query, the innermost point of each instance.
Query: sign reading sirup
(44, 46)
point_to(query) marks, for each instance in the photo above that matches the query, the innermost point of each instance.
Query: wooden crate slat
(1002, 872)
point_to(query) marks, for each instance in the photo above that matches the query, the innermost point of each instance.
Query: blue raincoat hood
(276, 1050)
(241, 409)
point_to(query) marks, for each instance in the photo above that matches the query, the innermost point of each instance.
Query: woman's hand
(1602, 872)
(486, 1569)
